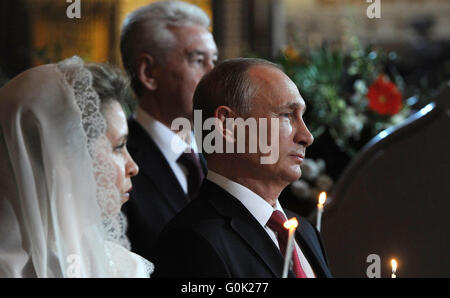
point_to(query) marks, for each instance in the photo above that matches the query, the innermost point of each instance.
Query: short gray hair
(228, 84)
(147, 29)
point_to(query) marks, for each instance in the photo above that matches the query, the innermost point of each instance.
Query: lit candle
(322, 199)
(394, 268)
(291, 225)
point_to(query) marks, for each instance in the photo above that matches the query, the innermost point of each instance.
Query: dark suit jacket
(216, 236)
(156, 196)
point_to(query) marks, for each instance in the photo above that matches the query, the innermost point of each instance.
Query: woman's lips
(126, 195)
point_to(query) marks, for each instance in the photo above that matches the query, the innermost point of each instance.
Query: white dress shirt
(259, 208)
(170, 144)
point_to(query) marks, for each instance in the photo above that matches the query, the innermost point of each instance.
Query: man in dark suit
(235, 226)
(166, 48)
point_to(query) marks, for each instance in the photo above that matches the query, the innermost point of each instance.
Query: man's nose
(303, 135)
(209, 65)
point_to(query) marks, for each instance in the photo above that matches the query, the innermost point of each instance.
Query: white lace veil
(59, 207)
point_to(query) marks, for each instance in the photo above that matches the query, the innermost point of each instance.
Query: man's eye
(198, 60)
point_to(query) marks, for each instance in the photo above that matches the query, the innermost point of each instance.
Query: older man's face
(194, 55)
(278, 97)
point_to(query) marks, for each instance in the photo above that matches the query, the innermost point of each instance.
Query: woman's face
(123, 164)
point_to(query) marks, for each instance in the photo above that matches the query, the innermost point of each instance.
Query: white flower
(352, 124)
(357, 99)
(324, 182)
(360, 86)
(400, 117)
(309, 168)
(301, 189)
(321, 165)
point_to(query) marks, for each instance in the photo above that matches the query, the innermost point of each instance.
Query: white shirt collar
(170, 144)
(258, 207)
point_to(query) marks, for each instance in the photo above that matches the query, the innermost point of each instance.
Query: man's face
(194, 54)
(278, 97)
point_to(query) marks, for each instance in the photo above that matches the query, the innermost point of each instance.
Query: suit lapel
(313, 255)
(258, 240)
(247, 227)
(154, 165)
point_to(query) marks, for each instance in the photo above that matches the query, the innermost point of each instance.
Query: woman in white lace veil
(65, 172)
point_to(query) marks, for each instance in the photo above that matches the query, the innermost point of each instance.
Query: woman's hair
(110, 84)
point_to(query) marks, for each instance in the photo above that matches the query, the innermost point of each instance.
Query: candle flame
(322, 197)
(292, 223)
(394, 265)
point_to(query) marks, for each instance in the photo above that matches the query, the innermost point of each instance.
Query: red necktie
(275, 223)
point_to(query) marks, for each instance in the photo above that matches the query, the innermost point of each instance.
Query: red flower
(384, 97)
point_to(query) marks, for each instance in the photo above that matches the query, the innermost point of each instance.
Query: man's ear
(221, 114)
(145, 68)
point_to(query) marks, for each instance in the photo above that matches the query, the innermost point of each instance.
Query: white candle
(322, 199)
(394, 268)
(291, 225)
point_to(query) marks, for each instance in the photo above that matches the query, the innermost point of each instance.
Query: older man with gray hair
(166, 49)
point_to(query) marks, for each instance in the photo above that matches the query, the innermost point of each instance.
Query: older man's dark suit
(216, 236)
(156, 196)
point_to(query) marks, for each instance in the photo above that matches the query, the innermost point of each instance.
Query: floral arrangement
(314, 180)
(351, 95)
